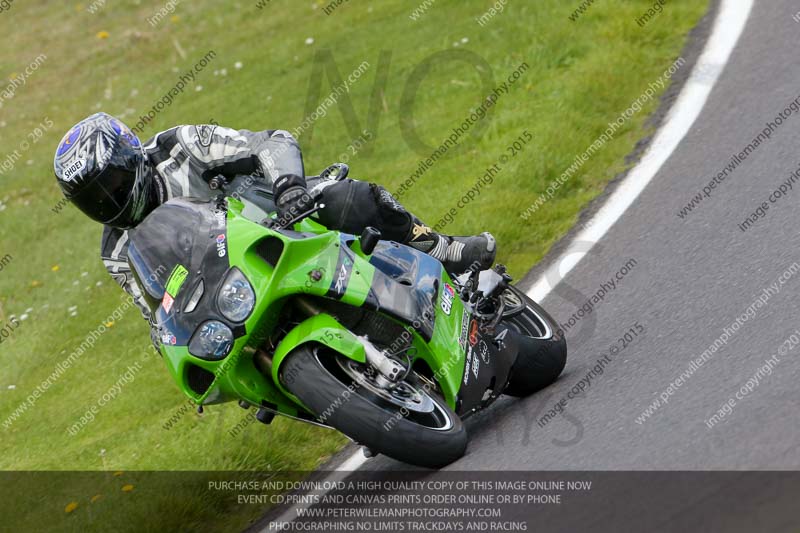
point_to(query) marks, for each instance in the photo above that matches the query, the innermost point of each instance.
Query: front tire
(324, 383)
(542, 346)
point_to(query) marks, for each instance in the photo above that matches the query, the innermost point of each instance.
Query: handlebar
(298, 218)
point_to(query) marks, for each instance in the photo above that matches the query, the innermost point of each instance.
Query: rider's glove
(292, 202)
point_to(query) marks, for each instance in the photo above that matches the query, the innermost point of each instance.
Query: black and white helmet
(101, 167)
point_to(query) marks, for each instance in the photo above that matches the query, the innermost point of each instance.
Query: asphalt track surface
(693, 276)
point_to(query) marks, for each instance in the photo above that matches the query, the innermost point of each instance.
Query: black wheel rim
(410, 400)
(527, 320)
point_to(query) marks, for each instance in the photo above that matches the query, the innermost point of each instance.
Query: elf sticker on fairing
(447, 298)
(221, 245)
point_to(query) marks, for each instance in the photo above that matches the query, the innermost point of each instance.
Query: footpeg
(265, 416)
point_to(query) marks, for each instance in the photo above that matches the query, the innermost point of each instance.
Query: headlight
(212, 341)
(236, 298)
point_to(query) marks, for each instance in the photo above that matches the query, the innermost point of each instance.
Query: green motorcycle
(372, 338)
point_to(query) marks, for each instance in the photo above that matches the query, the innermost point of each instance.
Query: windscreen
(181, 241)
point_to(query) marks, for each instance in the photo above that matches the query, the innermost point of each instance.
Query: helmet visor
(108, 194)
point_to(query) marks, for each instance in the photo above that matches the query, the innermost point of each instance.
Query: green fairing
(236, 376)
(323, 329)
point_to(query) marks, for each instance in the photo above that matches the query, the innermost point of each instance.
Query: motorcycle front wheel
(407, 422)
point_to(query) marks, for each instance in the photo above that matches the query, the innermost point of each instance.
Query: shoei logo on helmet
(69, 140)
(221, 245)
(73, 170)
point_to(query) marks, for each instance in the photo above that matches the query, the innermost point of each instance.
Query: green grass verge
(580, 75)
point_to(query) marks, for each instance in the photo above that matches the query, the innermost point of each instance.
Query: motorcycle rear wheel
(542, 347)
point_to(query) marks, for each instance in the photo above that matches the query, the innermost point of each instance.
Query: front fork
(389, 370)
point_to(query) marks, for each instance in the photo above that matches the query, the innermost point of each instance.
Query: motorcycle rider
(104, 170)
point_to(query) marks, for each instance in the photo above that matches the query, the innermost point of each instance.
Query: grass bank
(366, 82)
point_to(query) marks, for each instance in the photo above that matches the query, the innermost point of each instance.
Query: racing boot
(457, 254)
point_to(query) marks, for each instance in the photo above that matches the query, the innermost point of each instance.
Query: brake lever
(342, 170)
(501, 307)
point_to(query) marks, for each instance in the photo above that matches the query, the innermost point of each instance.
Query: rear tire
(542, 348)
(370, 420)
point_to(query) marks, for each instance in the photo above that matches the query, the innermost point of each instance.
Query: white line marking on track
(354, 462)
(728, 26)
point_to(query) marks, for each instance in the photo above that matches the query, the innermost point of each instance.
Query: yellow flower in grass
(110, 324)
(36, 283)
(55, 268)
(174, 19)
(102, 35)
(127, 488)
(96, 497)
(71, 506)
